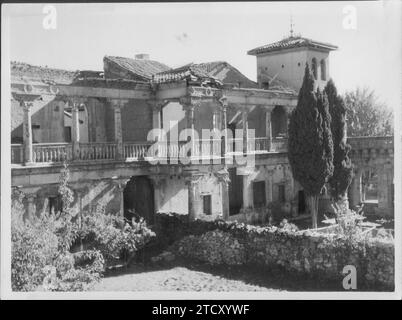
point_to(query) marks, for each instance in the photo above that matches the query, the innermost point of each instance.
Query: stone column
(75, 127)
(269, 183)
(247, 192)
(118, 105)
(223, 178)
(245, 131)
(31, 208)
(268, 129)
(121, 184)
(156, 117)
(27, 131)
(224, 106)
(193, 197)
(157, 184)
(356, 191)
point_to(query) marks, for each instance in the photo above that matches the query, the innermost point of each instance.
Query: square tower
(285, 60)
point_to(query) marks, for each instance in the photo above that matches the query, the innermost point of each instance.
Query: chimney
(142, 56)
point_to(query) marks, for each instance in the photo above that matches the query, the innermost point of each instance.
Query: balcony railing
(51, 152)
(136, 150)
(59, 152)
(97, 151)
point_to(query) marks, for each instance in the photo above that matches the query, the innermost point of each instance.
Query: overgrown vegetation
(66, 252)
(366, 115)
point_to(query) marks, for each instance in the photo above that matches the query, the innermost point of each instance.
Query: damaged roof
(43, 74)
(292, 42)
(139, 67)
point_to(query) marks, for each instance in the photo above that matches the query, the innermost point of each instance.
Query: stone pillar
(385, 180)
(121, 184)
(356, 191)
(223, 178)
(268, 129)
(75, 127)
(118, 105)
(156, 117)
(27, 131)
(245, 131)
(193, 197)
(269, 186)
(247, 193)
(224, 105)
(31, 208)
(157, 184)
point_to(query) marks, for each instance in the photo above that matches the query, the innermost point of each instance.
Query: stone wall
(313, 254)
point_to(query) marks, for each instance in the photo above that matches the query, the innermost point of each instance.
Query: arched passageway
(139, 199)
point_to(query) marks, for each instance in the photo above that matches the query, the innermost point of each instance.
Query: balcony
(48, 153)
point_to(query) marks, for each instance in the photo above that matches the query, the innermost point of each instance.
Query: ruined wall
(88, 196)
(136, 120)
(47, 121)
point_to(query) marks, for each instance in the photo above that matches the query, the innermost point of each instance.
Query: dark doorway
(259, 194)
(139, 199)
(232, 128)
(235, 192)
(279, 122)
(301, 202)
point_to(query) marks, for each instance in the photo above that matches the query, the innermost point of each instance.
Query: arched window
(314, 67)
(323, 70)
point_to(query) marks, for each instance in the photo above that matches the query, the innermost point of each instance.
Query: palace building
(101, 124)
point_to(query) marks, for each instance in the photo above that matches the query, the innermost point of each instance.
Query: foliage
(112, 236)
(42, 247)
(343, 168)
(366, 116)
(349, 222)
(33, 247)
(287, 226)
(310, 142)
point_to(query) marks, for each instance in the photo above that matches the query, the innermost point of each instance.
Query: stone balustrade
(97, 151)
(136, 150)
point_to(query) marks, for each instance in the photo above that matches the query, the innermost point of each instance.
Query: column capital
(157, 105)
(222, 176)
(189, 103)
(120, 182)
(26, 104)
(193, 179)
(157, 181)
(117, 103)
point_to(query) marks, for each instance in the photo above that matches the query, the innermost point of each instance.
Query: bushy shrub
(112, 236)
(43, 247)
(349, 222)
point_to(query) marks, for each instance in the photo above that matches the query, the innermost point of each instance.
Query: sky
(180, 33)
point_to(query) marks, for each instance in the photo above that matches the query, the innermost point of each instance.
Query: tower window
(283, 66)
(265, 85)
(298, 64)
(323, 70)
(314, 67)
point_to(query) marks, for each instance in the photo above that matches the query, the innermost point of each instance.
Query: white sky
(179, 33)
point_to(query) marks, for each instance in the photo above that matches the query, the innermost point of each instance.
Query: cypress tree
(310, 142)
(343, 168)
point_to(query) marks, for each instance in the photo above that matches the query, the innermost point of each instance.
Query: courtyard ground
(189, 276)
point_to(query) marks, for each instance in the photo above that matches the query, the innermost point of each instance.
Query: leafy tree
(366, 116)
(343, 168)
(310, 142)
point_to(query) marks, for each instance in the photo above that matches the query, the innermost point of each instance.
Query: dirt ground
(186, 276)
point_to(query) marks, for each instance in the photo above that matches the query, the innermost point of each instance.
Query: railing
(279, 145)
(97, 151)
(51, 152)
(208, 147)
(136, 150)
(59, 152)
